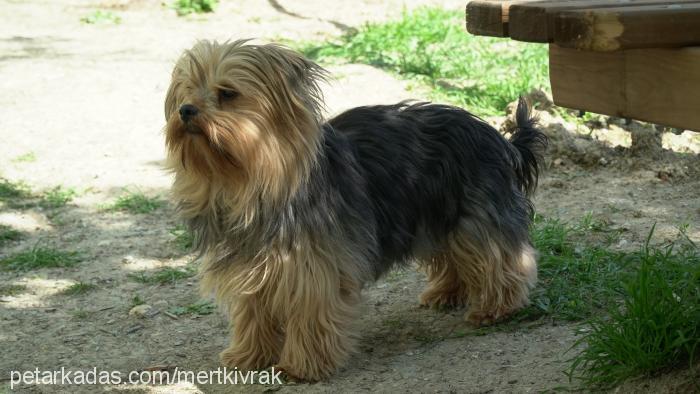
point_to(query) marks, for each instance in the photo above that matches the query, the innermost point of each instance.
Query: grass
(137, 300)
(80, 314)
(163, 276)
(79, 288)
(199, 308)
(57, 197)
(135, 202)
(430, 46)
(186, 7)
(13, 190)
(28, 157)
(655, 327)
(8, 234)
(101, 16)
(577, 279)
(183, 237)
(39, 257)
(10, 290)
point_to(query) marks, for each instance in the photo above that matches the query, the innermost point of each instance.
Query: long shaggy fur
(293, 216)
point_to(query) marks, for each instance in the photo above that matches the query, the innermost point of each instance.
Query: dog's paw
(481, 318)
(447, 300)
(232, 357)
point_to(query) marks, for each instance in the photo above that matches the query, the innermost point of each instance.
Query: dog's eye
(228, 94)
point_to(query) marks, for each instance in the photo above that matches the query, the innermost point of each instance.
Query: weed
(186, 7)
(200, 308)
(9, 290)
(57, 197)
(101, 16)
(657, 325)
(79, 288)
(135, 202)
(430, 46)
(39, 257)
(183, 237)
(163, 276)
(25, 158)
(8, 234)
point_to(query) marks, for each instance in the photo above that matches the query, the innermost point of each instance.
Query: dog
(293, 215)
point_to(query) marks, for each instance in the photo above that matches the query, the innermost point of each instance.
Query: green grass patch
(655, 327)
(101, 16)
(430, 45)
(80, 314)
(28, 157)
(10, 191)
(137, 300)
(39, 257)
(577, 277)
(8, 234)
(10, 290)
(57, 197)
(163, 276)
(183, 237)
(135, 202)
(200, 308)
(79, 288)
(186, 7)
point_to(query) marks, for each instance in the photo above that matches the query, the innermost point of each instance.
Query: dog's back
(428, 166)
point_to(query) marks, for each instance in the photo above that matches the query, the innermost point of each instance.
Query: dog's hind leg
(495, 274)
(445, 287)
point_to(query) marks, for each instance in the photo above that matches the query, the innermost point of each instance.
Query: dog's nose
(187, 112)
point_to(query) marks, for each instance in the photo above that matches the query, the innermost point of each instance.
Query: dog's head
(244, 114)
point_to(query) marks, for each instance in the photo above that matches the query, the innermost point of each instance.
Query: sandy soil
(87, 101)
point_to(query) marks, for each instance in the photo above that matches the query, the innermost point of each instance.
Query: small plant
(656, 327)
(57, 197)
(39, 257)
(80, 314)
(186, 7)
(137, 300)
(183, 237)
(8, 234)
(101, 16)
(13, 190)
(163, 276)
(25, 158)
(199, 308)
(9, 290)
(79, 288)
(136, 202)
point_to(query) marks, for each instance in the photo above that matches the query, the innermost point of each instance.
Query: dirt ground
(87, 100)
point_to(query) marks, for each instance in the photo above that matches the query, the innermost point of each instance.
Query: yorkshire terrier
(293, 215)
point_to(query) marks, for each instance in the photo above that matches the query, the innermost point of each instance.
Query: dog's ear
(303, 75)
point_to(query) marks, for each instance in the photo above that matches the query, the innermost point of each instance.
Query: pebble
(128, 259)
(140, 311)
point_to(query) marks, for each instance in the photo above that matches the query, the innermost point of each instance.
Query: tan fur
(268, 155)
(483, 272)
(295, 310)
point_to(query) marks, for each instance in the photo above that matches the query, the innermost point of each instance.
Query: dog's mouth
(194, 130)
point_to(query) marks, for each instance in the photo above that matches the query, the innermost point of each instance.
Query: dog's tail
(530, 144)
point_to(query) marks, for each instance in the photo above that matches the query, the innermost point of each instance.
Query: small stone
(603, 161)
(128, 259)
(558, 161)
(140, 311)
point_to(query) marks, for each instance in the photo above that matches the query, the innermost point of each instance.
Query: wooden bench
(627, 58)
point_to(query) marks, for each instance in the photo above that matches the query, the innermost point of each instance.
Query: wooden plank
(534, 22)
(611, 29)
(654, 85)
(489, 17)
